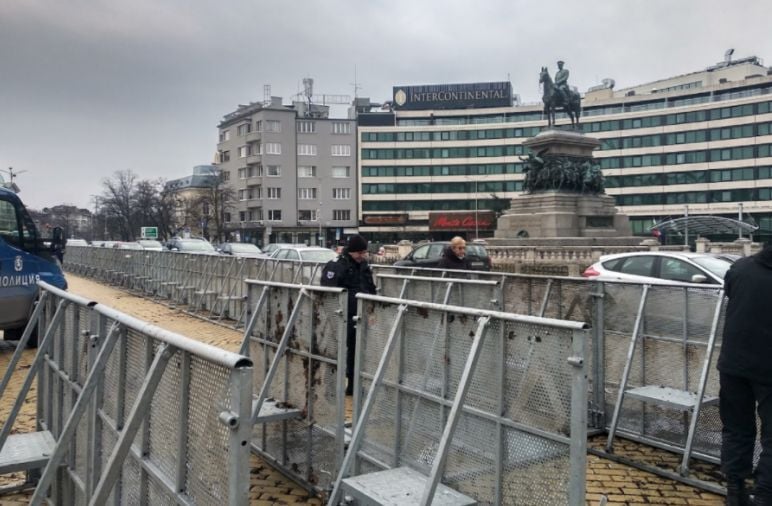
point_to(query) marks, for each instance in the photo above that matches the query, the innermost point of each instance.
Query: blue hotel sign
(453, 96)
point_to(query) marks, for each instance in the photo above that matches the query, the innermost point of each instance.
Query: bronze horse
(553, 100)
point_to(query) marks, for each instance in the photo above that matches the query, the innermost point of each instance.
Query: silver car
(660, 267)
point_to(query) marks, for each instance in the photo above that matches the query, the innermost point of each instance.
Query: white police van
(24, 259)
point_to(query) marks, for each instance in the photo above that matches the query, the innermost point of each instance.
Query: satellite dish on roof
(608, 83)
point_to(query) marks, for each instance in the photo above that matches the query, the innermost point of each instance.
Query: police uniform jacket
(344, 272)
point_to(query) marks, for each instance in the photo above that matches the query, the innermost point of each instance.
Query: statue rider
(561, 83)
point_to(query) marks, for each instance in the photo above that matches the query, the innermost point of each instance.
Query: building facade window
(307, 171)
(307, 193)
(340, 127)
(306, 149)
(273, 170)
(341, 193)
(341, 150)
(273, 193)
(306, 127)
(243, 151)
(244, 129)
(306, 214)
(341, 214)
(341, 172)
(272, 125)
(225, 135)
(274, 215)
(272, 148)
(225, 156)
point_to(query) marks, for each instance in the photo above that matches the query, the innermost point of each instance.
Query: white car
(308, 254)
(241, 249)
(660, 267)
(150, 245)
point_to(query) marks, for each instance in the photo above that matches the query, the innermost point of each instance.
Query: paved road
(622, 485)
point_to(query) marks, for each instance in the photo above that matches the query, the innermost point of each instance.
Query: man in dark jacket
(454, 256)
(352, 272)
(745, 375)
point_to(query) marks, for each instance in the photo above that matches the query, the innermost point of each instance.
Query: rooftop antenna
(308, 91)
(728, 56)
(356, 84)
(266, 94)
(13, 173)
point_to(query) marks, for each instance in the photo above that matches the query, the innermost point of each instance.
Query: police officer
(352, 272)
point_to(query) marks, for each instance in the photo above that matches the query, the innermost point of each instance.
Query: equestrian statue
(559, 95)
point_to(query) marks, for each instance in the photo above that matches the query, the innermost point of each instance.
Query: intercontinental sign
(453, 96)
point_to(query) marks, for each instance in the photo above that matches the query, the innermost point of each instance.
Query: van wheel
(15, 335)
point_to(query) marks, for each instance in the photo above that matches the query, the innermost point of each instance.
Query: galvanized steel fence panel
(513, 439)
(189, 446)
(308, 378)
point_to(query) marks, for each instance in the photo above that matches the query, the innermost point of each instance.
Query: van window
(9, 225)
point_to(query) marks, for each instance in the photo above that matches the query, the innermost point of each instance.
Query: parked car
(77, 242)
(313, 254)
(660, 267)
(241, 249)
(150, 245)
(428, 256)
(190, 246)
(127, 245)
(270, 248)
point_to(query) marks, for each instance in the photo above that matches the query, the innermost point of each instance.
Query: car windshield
(321, 255)
(717, 266)
(244, 248)
(195, 246)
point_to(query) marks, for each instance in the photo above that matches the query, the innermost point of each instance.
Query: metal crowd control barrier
(478, 294)
(296, 335)
(662, 344)
(465, 406)
(129, 413)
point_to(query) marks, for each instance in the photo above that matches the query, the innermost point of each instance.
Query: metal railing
(135, 414)
(490, 404)
(296, 335)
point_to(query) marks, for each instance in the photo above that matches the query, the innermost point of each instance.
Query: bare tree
(117, 204)
(211, 207)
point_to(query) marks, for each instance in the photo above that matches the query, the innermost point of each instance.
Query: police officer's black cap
(357, 243)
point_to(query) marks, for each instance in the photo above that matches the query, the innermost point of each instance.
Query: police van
(24, 260)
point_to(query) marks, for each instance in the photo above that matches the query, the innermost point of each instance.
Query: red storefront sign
(462, 221)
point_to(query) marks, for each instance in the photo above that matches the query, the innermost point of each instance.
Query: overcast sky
(90, 87)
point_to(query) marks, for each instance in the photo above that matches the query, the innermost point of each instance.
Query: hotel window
(306, 215)
(244, 129)
(307, 171)
(272, 148)
(341, 150)
(306, 127)
(273, 125)
(273, 170)
(307, 193)
(341, 171)
(341, 127)
(274, 215)
(341, 193)
(306, 149)
(341, 214)
(243, 151)
(273, 193)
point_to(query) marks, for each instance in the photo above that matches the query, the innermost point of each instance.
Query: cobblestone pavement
(620, 484)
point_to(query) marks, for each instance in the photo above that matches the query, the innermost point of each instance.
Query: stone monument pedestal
(557, 216)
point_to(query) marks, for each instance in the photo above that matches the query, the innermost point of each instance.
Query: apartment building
(292, 169)
(698, 143)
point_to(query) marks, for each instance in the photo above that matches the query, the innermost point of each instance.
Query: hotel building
(447, 158)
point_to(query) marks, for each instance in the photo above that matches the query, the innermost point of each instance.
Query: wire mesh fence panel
(176, 403)
(302, 433)
(514, 427)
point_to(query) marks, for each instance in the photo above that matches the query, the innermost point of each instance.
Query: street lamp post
(319, 219)
(476, 225)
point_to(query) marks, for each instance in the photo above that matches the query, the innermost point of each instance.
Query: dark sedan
(428, 256)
